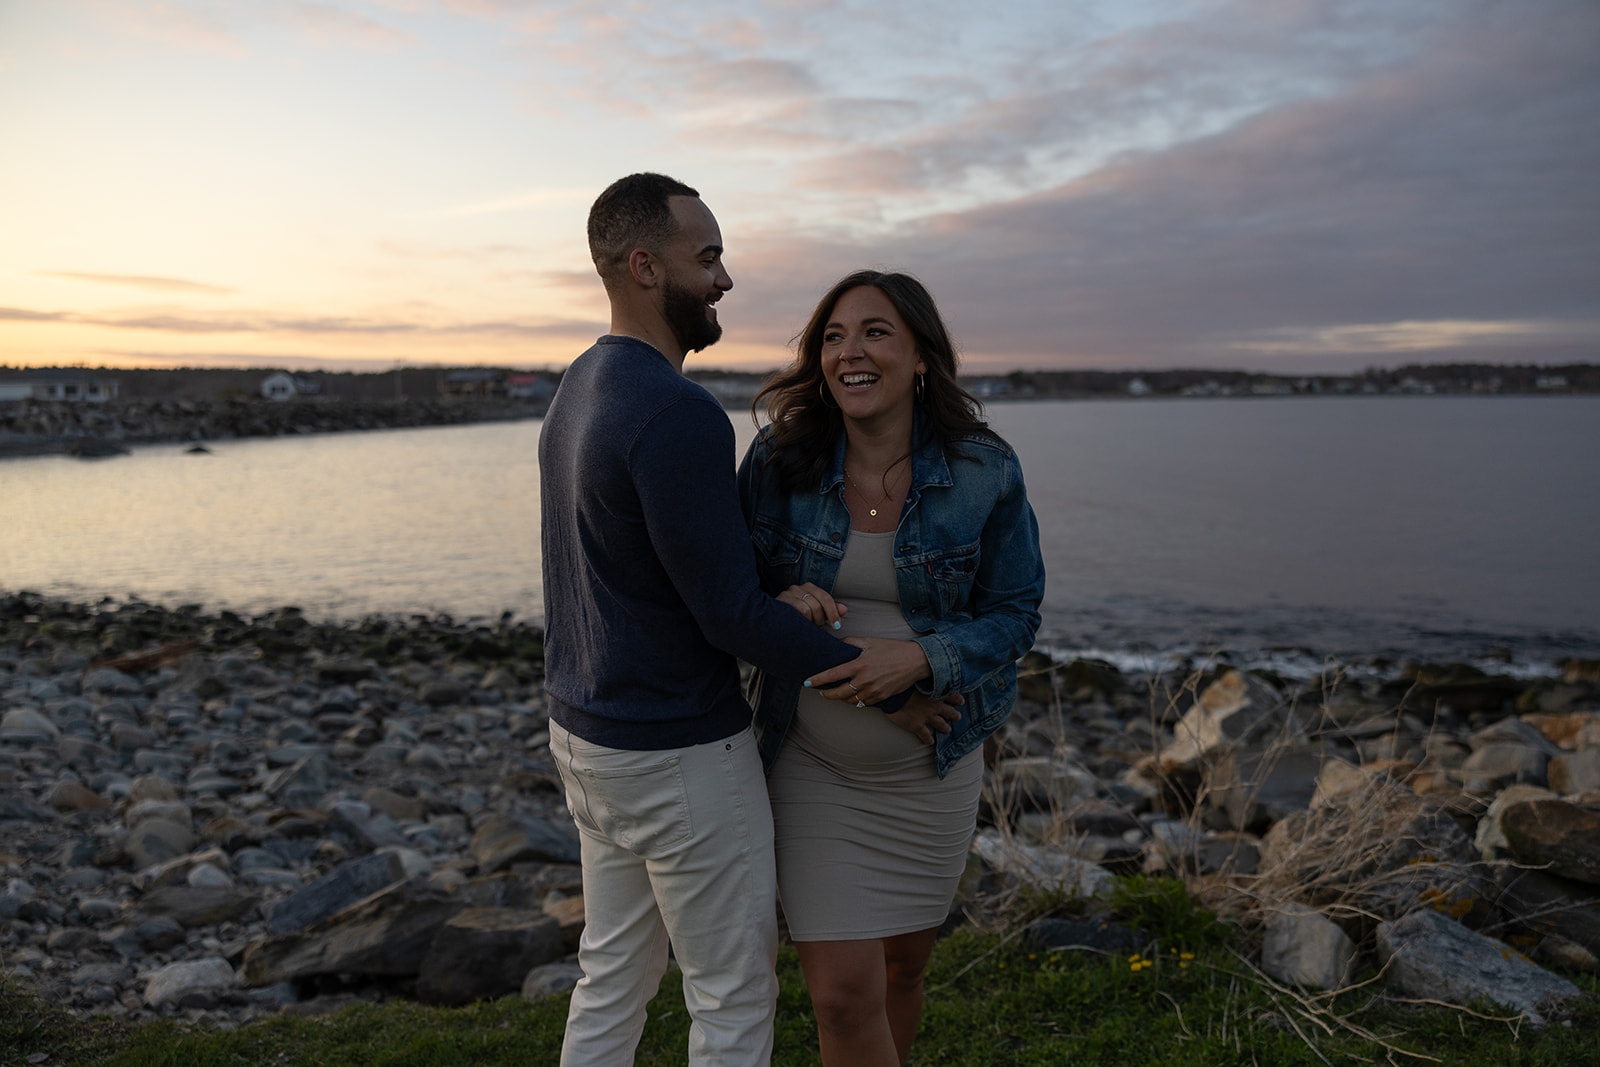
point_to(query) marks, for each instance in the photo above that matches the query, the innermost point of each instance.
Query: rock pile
(34, 426)
(217, 816)
(1426, 821)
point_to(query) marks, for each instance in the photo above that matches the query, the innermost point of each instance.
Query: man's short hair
(632, 213)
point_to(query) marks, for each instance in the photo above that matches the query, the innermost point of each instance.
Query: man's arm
(683, 470)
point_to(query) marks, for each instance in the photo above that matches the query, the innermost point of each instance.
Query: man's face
(696, 278)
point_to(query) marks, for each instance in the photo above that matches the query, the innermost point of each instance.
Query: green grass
(989, 1002)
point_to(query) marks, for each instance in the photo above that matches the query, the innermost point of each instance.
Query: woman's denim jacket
(967, 565)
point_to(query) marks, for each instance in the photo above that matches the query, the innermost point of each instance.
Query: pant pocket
(646, 806)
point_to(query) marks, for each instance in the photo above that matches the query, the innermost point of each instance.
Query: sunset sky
(1288, 185)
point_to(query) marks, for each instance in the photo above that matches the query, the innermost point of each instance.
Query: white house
(286, 386)
(48, 384)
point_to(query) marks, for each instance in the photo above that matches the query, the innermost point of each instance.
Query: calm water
(1436, 526)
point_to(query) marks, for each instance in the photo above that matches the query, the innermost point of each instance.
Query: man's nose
(723, 282)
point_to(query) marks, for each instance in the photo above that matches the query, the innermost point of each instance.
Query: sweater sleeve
(682, 463)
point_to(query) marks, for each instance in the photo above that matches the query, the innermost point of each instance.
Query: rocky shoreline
(218, 817)
(35, 428)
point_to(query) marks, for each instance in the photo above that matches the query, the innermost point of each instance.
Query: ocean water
(1284, 530)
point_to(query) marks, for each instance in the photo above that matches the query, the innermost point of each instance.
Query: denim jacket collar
(928, 465)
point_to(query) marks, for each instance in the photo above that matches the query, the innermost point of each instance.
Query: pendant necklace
(870, 509)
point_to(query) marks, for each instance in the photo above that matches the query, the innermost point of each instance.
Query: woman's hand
(923, 717)
(814, 603)
(884, 668)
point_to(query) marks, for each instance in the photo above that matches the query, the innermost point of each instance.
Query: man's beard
(685, 313)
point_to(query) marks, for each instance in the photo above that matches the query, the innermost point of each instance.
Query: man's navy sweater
(650, 586)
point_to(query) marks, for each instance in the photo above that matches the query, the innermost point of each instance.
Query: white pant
(677, 844)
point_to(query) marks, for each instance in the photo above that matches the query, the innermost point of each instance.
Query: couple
(894, 581)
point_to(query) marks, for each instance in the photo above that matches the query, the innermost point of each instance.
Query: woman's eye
(832, 338)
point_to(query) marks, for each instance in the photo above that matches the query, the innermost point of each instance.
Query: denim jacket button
(834, 537)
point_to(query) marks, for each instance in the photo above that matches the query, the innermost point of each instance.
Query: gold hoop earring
(822, 394)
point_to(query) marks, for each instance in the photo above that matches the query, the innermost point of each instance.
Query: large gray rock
(487, 952)
(570, 913)
(190, 983)
(1556, 834)
(111, 680)
(1513, 731)
(1256, 787)
(503, 840)
(174, 811)
(549, 979)
(398, 807)
(24, 808)
(1576, 772)
(1429, 955)
(389, 933)
(193, 906)
(346, 884)
(68, 795)
(302, 784)
(1305, 947)
(1236, 708)
(24, 726)
(1504, 763)
(156, 841)
(1041, 866)
(1491, 837)
(1547, 905)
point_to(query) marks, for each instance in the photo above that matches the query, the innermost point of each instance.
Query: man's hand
(814, 603)
(922, 717)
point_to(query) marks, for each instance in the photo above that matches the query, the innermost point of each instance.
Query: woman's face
(869, 357)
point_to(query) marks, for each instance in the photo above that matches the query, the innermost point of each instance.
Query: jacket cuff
(944, 663)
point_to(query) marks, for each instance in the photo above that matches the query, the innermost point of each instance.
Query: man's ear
(644, 268)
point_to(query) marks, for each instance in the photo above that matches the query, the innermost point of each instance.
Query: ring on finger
(859, 704)
(805, 596)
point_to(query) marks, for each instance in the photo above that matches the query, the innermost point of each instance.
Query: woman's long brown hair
(805, 425)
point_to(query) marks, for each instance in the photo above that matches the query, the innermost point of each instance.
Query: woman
(878, 484)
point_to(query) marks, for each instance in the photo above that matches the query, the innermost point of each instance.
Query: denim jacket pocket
(953, 575)
(777, 556)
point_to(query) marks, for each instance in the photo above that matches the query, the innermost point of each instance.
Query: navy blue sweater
(650, 585)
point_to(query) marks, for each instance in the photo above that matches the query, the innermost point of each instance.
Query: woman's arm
(1007, 590)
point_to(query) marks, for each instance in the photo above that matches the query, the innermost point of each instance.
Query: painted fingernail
(806, 683)
(835, 624)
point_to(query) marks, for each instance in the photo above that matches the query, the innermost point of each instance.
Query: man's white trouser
(677, 844)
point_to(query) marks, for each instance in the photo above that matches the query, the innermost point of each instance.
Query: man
(650, 594)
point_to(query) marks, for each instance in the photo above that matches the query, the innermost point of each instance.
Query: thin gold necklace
(862, 493)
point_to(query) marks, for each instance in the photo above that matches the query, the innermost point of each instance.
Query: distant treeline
(736, 387)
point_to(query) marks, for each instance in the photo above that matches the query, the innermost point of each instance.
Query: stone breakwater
(216, 817)
(34, 427)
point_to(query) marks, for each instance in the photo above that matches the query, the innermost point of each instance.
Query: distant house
(286, 386)
(474, 383)
(64, 385)
(1138, 387)
(529, 387)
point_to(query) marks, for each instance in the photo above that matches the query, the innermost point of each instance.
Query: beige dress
(870, 841)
